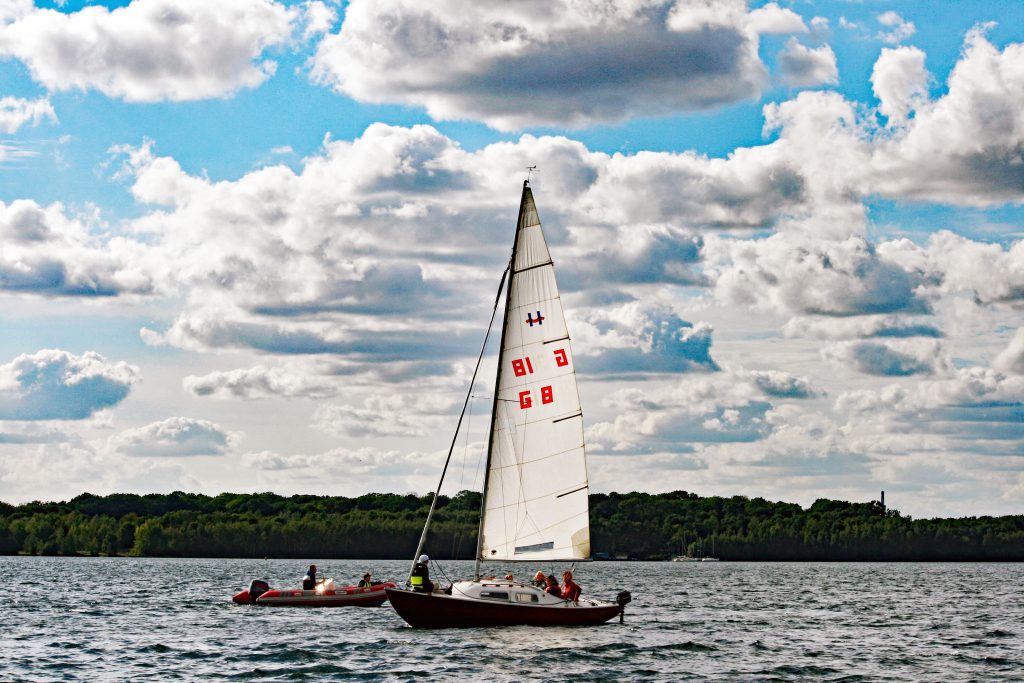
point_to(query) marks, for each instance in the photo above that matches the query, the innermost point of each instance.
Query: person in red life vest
(570, 589)
(553, 588)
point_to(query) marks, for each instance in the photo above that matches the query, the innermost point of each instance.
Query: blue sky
(250, 245)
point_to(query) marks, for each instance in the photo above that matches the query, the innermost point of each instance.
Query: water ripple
(169, 619)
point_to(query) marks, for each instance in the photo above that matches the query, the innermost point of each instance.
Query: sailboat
(711, 557)
(535, 505)
(682, 556)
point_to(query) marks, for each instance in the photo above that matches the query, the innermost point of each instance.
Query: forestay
(535, 500)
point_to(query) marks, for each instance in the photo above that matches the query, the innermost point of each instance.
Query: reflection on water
(167, 619)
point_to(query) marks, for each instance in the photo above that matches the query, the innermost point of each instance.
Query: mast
(497, 378)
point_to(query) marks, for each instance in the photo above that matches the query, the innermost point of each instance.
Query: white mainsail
(535, 498)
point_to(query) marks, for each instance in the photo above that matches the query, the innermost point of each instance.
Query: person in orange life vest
(553, 587)
(570, 589)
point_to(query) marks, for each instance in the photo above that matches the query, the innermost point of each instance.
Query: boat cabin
(507, 591)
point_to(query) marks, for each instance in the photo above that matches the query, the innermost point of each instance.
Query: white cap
(424, 559)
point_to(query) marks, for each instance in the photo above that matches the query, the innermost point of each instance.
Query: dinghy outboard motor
(257, 587)
(623, 598)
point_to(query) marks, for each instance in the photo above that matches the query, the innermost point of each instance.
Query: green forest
(387, 526)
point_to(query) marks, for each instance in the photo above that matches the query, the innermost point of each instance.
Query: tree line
(387, 526)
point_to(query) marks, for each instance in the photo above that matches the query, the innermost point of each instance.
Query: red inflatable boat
(325, 595)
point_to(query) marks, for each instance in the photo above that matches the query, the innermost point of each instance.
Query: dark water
(159, 619)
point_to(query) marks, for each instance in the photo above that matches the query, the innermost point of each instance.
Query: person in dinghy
(309, 580)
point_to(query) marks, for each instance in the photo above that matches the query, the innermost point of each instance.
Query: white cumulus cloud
(45, 251)
(897, 358)
(804, 66)
(173, 437)
(771, 18)
(900, 82)
(18, 111)
(513, 65)
(261, 381)
(385, 415)
(52, 384)
(897, 29)
(1011, 359)
(150, 50)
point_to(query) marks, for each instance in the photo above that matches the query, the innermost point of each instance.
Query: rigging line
(440, 570)
(476, 474)
(456, 537)
(465, 447)
(455, 437)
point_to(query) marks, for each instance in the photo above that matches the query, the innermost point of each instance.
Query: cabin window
(494, 595)
(526, 597)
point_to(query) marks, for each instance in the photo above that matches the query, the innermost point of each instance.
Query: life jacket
(418, 578)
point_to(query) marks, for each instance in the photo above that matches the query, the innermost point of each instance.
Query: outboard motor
(623, 598)
(248, 597)
(258, 587)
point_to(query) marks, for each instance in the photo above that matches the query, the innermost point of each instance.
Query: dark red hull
(434, 610)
